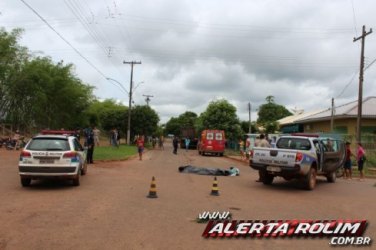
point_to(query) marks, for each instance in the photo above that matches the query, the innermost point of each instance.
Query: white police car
(53, 154)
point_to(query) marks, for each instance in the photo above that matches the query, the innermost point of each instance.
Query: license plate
(46, 161)
(273, 169)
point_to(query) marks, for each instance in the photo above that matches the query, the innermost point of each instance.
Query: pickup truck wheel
(76, 180)
(331, 177)
(266, 178)
(310, 179)
(340, 172)
(25, 182)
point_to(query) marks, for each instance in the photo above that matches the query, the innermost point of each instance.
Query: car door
(334, 155)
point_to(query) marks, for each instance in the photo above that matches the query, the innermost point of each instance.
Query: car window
(294, 143)
(77, 145)
(210, 136)
(331, 145)
(218, 136)
(49, 144)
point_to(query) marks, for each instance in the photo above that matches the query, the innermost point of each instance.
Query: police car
(53, 154)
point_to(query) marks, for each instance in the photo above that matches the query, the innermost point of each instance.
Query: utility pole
(332, 118)
(249, 113)
(360, 94)
(130, 101)
(147, 99)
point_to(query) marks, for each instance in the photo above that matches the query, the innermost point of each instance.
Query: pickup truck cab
(299, 157)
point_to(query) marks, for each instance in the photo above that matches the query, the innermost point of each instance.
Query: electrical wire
(63, 38)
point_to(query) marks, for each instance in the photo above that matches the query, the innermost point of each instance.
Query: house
(289, 124)
(345, 119)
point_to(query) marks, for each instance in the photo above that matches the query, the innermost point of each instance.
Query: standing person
(78, 134)
(161, 140)
(264, 144)
(97, 133)
(118, 137)
(90, 143)
(113, 137)
(241, 149)
(361, 157)
(140, 146)
(187, 142)
(347, 166)
(16, 139)
(247, 148)
(175, 143)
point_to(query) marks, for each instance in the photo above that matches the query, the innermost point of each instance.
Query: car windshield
(48, 144)
(294, 143)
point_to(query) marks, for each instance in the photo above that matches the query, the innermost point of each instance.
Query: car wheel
(331, 177)
(266, 178)
(76, 179)
(340, 172)
(25, 182)
(310, 179)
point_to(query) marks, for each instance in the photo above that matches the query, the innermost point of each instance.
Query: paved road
(110, 209)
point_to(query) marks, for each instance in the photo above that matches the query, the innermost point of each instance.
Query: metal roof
(293, 118)
(348, 110)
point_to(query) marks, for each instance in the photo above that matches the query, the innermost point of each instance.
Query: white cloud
(301, 52)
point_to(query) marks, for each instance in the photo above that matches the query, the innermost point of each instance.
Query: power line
(65, 40)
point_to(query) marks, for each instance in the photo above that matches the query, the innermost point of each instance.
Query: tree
(173, 126)
(221, 115)
(144, 120)
(12, 57)
(269, 113)
(245, 126)
(47, 95)
(35, 92)
(185, 120)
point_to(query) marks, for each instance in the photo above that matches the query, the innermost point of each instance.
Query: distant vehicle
(191, 134)
(299, 157)
(212, 142)
(52, 154)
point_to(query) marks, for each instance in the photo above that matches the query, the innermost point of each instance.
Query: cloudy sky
(195, 51)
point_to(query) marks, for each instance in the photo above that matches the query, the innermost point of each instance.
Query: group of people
(260, 141)
(360, 157)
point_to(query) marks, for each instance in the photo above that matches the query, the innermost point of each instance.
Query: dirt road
(110, 209)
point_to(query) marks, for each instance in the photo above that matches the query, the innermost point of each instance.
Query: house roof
(297, 116)
(348, 110)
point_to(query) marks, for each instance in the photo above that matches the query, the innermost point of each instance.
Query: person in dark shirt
(175, 143)
(90, 142)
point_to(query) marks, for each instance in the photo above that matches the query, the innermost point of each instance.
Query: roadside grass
(123, 152)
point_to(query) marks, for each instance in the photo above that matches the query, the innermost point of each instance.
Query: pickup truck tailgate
(274, 157)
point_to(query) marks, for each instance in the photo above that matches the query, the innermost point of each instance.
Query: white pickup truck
(299, 157)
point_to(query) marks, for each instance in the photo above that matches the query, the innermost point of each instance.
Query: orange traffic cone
(153, 189)
(215, 190)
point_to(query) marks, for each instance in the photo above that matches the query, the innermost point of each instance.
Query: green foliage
(12, 57)
(123, 152)
(144, 121)
(35, 92)
(173, 126)
(245, 127)
(109, 115)
(185, 120)
(269, 113)
(221, 115)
